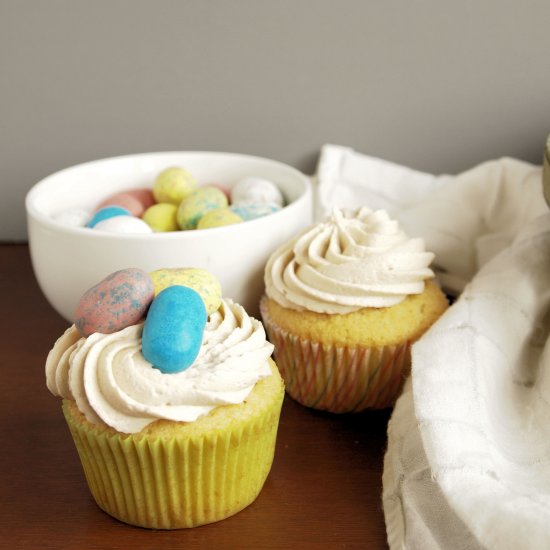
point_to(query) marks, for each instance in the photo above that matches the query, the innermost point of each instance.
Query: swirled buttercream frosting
(110, 380)
(350, 261)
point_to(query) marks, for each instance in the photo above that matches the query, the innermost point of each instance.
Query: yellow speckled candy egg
(218, 218)
(198, 203)
(162, 217)
(200, 280)
(173, 185)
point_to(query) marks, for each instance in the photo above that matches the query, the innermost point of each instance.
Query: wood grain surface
(324, 490)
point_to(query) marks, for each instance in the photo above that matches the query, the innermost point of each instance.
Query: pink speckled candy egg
(144, 195)
(116, 302)
(124, 200)
(136, 201)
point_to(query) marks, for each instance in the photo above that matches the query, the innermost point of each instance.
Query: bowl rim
(47, 221)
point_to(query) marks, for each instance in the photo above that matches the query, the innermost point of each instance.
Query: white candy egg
(76, 217)
(123, 224)
(253, 190)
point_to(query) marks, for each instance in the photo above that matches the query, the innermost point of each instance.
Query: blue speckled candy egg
(174, 328)
(106, 213)
(252, 211)
(116, 302)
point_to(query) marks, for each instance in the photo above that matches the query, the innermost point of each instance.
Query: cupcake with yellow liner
(171, 450)
(344, 301)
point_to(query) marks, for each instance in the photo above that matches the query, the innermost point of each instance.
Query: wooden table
(324, 490)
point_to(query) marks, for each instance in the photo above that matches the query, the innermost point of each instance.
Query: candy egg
(144, 195)
(224, 188)
(118, 301)
(253, 190)
(173, 185)
(218, 218)
(123, 224)
(162, 217)
(173, 331)
(107, 212)
(198, 203)
(124, 200)
(252, 211)
(73, 218)
(200, 280)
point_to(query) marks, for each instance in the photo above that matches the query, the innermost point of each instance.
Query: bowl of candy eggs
(223, 212)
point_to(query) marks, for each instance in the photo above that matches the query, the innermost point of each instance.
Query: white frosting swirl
(111, 381)
(350, 261)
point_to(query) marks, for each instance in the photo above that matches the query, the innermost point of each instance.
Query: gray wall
(433, 84)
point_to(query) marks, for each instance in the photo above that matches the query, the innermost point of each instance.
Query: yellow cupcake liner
(338, 379)
(176, 482)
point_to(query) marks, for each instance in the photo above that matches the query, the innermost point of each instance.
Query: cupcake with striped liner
(344, 301)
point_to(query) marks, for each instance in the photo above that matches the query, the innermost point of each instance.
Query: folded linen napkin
(468, 458)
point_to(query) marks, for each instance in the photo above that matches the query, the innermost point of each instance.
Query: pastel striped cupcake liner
(338, 379)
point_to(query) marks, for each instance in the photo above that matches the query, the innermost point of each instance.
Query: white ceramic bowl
(69, 260)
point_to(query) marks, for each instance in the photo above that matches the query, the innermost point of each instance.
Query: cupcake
(166, 447)
(344, 301)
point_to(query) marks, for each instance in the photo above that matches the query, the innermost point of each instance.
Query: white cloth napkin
(468, 458)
